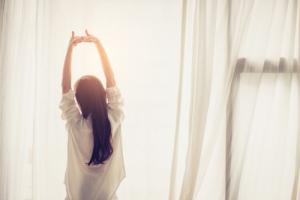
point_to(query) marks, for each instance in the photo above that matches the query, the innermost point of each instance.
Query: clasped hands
(78, 39)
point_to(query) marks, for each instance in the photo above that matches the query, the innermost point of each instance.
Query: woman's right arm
(107, 69)
(114, 97)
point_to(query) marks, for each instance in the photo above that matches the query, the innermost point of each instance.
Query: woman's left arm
(66, 80)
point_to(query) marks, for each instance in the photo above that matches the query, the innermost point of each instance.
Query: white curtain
(237, 134)
(142, 41)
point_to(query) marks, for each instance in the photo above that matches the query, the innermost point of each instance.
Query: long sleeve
(115, 104)
(69, 109)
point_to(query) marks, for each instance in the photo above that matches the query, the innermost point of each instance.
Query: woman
(95, 165)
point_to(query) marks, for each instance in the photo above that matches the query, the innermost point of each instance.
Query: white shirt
(94, 182)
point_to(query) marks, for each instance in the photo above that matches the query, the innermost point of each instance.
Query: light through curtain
(237, 133)
(265, 141)
(142, 41)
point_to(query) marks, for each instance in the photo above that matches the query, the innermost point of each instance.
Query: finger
(77, 41)
(73, 34)
(87, 33)
(77, 38)
(86, 39)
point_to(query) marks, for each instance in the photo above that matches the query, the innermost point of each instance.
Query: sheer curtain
(142, 41)
(237, 134)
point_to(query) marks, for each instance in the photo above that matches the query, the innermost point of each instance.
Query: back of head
(91, 97)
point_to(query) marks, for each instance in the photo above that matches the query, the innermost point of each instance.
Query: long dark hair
(91, 97)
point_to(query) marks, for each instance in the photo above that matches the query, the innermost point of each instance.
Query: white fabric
(94, 182)
(222, 152)
(265, 144)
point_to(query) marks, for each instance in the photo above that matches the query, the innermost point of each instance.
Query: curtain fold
(24, 84)
(223, 40)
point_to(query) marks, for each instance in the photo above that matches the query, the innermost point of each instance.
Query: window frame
(242, 66)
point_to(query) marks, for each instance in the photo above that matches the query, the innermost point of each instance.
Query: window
(262, 138)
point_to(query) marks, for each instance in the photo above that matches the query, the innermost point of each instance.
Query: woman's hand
(90, 38)
(78, 39)
(75, 40)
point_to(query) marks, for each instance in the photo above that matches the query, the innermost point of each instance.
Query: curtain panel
(237, 120)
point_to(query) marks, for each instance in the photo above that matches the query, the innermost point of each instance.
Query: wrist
(97, 43)
(70, 47)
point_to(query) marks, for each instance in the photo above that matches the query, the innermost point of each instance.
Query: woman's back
(92, 182)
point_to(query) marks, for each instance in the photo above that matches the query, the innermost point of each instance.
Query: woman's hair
(91, 97)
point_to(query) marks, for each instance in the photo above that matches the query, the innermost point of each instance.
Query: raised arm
(66, 80)
(109, 74)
